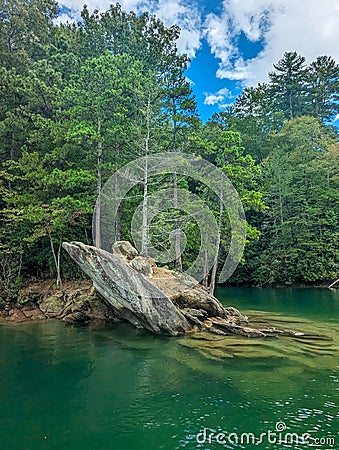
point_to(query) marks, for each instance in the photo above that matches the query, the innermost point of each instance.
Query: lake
(80, 388)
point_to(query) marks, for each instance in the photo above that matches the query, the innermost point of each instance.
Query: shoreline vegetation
(81, 101)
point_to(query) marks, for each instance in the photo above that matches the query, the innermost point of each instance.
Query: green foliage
(300, 229)
(79, 101)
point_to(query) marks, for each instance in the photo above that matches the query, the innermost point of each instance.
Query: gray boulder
(129, 293)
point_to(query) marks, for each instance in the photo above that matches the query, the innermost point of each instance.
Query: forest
(79, 101)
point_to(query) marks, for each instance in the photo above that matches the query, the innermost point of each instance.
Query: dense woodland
(79, 101)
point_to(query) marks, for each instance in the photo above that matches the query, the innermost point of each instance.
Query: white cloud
(182, 13)
(336, 118)
(218, 98)
(225, 92)
(212, 99)
(76, 5)
(172, 12)
(310, 28)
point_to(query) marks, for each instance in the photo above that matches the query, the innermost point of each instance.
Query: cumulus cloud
(336, 118)
(218, 98)
(310, 28)
(212, 99)
(172, 12)
(182, 13)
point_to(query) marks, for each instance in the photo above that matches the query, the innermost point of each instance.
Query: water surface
(64, 387)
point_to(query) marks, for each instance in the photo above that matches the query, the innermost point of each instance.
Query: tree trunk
(217, 247)
(205, 273)
(117, 224)
(118, 216)
(56, 259)
(144, 231)
(97, 242)
(178, 259)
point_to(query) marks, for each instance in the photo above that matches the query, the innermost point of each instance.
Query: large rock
(131, 296)
(155, 298)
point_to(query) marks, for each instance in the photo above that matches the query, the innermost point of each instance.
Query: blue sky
(234, 43)
(213, 93)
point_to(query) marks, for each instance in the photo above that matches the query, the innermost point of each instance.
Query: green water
(63, 387)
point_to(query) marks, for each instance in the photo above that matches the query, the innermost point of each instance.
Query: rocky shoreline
(159, 300)
(126, 287)
(76, 303)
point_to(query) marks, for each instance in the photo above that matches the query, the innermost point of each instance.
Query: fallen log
(333, 284)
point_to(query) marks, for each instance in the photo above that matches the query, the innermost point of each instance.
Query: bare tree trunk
(205, 273)
(144, 231)
(117, 224)
(59, 263)
(118, 216)
(98, 206)
(217, 248)
(56, 259)
(178, 259)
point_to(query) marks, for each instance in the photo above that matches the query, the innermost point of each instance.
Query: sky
(234, 43)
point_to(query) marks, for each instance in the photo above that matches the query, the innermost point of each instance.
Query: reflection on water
(63, 387)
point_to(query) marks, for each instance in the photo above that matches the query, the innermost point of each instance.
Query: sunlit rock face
(130, 294)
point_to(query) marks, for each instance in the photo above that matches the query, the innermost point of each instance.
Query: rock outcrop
(130, 294)
(155, 298)
(76, 303)
(130, 287)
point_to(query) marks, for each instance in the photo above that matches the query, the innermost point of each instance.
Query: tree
(223, 148)
(144, 37)
(42, 203)
(181, 110)
(255, 117)
(323, 80)
(100, 106)
(25, 30)
(301, 194)
(288, 84)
